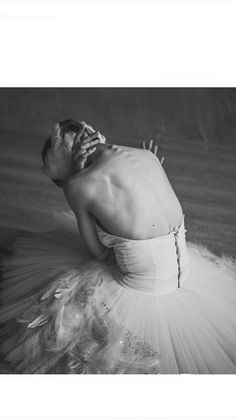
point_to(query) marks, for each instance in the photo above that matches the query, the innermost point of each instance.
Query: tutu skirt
(63, 312)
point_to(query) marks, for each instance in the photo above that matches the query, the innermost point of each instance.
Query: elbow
(103, 256)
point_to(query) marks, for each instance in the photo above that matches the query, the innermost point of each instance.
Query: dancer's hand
(89, 130)
(84, 145)
(153, 147)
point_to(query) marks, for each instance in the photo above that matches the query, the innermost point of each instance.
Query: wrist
(104, 255)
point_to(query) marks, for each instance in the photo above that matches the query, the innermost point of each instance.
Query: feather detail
(39, 321)
(56, 292)
(46, 295)
(65, 290)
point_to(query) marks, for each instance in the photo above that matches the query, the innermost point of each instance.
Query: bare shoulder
(80, 190)
(136, 150)
(144, 155)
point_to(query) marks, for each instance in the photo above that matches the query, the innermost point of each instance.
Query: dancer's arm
(79, 201)
(89, 235)
(82, 148)
(85, 144)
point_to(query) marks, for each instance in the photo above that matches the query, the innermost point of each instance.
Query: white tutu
(63, 312)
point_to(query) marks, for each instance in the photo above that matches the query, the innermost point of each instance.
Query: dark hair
(68, 125)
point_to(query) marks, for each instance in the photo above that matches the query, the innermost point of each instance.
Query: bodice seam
(171, 232)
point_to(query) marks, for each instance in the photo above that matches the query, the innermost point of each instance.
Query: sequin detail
(138, 356)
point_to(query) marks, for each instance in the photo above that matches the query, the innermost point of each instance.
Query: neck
(94, 156)
(90, 160)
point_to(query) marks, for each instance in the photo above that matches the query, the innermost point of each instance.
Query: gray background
(195, 128)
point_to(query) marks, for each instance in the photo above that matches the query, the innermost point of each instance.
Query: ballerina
(125, 294)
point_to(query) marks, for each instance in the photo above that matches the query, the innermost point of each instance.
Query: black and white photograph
(118, 231)
(117, 209)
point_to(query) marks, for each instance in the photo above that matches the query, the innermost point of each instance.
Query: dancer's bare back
(127, 191)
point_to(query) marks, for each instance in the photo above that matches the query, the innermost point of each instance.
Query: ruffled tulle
(63, 312)
(53, 317)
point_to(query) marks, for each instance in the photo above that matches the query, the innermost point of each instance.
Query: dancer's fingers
(88, 128)
(102, 139)
(83, 151)
(87, 153)
(85, 140)
(85, 135)
(89, 144)
(150, 144)
(155, 149)
(85, 144)
(162, 160)
(90, 137)
(82, 148)
(79, 136)
(143, 145)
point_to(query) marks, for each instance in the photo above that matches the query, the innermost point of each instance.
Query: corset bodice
(157, 265)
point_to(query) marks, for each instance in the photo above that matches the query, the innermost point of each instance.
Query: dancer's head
(57, 149)
(56, 152)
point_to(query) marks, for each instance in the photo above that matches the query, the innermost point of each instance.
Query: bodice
(157, 265)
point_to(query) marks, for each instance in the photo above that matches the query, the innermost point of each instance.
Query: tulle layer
(193, 328)
(73, 317)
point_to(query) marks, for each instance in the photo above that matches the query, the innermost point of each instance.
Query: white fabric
(157, 265)
(179, 299)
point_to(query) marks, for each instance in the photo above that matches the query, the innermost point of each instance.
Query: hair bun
(70, 125)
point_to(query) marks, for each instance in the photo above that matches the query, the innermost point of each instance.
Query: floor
(203, 178)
